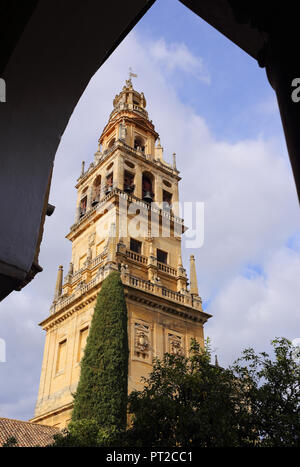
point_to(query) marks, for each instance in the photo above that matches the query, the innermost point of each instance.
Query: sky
(213, 106)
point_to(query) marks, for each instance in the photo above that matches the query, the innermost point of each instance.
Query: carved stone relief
(175, 344)
(141, 340)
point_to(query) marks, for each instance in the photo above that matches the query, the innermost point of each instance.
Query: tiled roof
(27, 434)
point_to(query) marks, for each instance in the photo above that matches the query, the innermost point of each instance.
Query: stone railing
(97, 260)
(131, 198)
(121, 106)
(80, 290)
(161, 291)
(139, 283)
(144, 260)
(89, 265)
(62, 303)
(86, 287)
(137, 257)
(131, 281)
(102, 157)
(140, 109)
(153, 206)
(121, 144)
(167, 269)
(95, 208)
(74, 278)
(176, 296)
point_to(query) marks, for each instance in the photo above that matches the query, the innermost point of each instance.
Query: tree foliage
(189, 402)
(273, 393)
(101, 396)
(11, 442)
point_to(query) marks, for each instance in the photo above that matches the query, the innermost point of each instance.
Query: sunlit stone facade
(126, 219)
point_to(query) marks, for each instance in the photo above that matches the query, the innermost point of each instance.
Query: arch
(129, 181)
(109, 183)
(82, 206)
(139, 143)
(96, 190)
(147, 186)
(167, 200)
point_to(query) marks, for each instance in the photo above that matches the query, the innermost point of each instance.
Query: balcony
(89, 266)
(194, 303)
(131, 198)
(137, 257)
(144, 260)
(167, 269)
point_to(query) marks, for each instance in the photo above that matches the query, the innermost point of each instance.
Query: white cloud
(177, 56)
(251, 210)
(251, 312)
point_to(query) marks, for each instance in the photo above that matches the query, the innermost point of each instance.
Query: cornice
(133, 293)
(136, 154)
(97, 210)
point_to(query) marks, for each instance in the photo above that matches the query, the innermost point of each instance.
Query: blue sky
(239, 88)
(214, 107)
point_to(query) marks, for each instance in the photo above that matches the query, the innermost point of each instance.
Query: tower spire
(58, 285)
(193, 276)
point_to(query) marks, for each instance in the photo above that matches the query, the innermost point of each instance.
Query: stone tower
(126, 220)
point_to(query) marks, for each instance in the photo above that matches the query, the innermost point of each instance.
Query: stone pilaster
(138, 181)
(158, 189)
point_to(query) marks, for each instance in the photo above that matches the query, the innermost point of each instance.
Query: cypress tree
(101, 394)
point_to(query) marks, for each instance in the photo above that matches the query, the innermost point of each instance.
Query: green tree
(101, 396)
(273, 397)
(11, 442)
(187, 401)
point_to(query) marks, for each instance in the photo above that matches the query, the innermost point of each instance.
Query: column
(89, 198)
(138, 181)
(119, 173)
(157, 189)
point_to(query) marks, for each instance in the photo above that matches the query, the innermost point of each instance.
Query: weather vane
(131, 74)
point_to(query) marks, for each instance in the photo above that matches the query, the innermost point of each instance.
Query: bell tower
(127, 219)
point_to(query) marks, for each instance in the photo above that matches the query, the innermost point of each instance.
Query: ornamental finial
(131, 74)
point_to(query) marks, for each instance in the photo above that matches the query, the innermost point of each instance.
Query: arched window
(109, 183)
(147, 187)
(167, 200)
(139, 143)
(128, 181)
(83, 204)
(96, 190)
